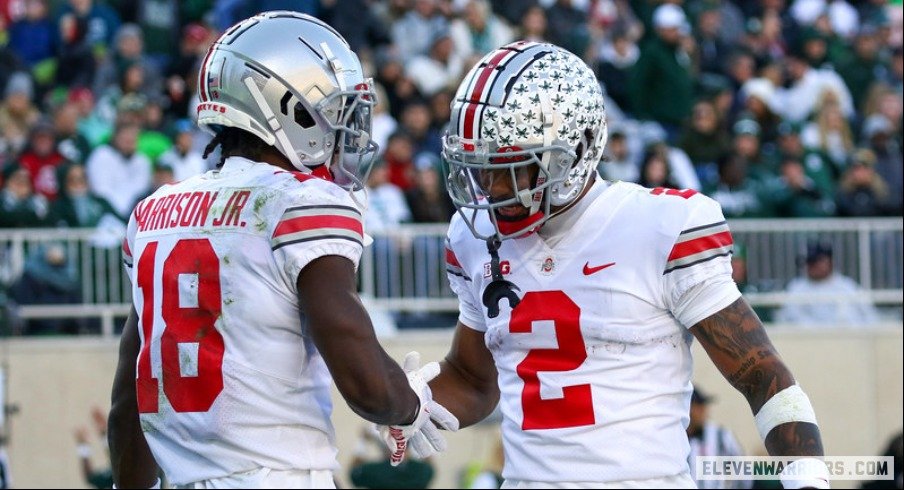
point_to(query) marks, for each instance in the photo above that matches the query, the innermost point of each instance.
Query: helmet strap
(499, 288)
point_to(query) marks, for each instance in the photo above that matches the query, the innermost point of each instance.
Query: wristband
(805, 473)
(788, 405)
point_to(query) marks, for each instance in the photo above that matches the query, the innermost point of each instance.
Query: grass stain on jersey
(260, 202)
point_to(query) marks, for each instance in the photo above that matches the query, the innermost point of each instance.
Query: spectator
(816, 167)
(358, 23)
(102, 21)
(798, 194)
(34, 37)
(400, 89)
(369, 472)
(148, 113)
(117, 173)
(829, 133)
(414, 33)
(654, 170)
(662, 87)
(708, 438)
(76, 206)
(740, 68)
(416, 121)
(705, 141)
(440, 111)
(128, 50)
(226, 13)
(428, 200)
(399, 160)
(681, 168)
(90, 125)
(49, 278)
(567, 26)
(864, 67)
(746, 144)
(386, 204)
(615, 60)
(820, 278)
(182, 158)
(17, 114)
(71, 144)
(515, 12)
(533, 24)
(739, 196)
(478, 32)
(162, 175)
(20, 207)
(159, 22)
(806, 86)
(181, 72)
(76, 62)
(439, 70)
(895, 76)
(41, 159)
(97, 478)
(127, 95)
(877, 132)
(862, 192)
(712, 50)
(618, 163)
(757, 97)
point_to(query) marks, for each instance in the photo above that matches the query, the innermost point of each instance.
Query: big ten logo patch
(504, 267)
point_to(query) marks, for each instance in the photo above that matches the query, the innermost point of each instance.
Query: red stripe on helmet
(477, 92)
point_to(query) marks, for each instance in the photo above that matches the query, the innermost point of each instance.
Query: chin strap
(499, 288)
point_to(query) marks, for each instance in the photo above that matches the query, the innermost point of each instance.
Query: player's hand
(422, 435)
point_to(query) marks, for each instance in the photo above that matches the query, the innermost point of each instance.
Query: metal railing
(404, 269)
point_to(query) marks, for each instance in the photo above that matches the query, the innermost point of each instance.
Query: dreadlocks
(236, 142)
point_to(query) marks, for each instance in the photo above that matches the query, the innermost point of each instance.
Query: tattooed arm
(737, 343)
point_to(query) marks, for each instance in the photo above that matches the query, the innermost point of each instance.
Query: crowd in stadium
(775, 108)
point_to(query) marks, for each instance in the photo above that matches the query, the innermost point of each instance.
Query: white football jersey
(228, 378)
(595, 363)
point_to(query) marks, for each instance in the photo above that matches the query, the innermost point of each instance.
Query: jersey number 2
(575, 408)
(189, 339)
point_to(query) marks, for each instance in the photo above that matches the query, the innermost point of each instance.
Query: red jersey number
(684, 193)
(575, 408)
(188, 329)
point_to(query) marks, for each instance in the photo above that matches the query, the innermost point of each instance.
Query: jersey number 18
(189, 341)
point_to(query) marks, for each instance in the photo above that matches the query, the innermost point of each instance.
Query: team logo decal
(548, 266)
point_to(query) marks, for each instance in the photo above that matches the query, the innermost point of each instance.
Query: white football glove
(422, 435)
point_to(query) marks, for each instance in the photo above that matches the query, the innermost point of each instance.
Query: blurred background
(787, 112)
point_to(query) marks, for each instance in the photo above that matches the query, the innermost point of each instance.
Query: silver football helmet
(292, 81)
(522, 106)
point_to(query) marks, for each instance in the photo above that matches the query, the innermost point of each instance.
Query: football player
(579, 298)
(243, 278)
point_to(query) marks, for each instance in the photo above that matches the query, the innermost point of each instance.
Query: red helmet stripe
(477, 92)
(202, 77)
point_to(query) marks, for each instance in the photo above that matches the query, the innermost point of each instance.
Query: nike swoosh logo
(593, 270)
